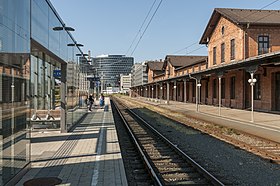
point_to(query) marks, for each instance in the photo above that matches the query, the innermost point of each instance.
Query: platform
(90, 155)
(265, 125)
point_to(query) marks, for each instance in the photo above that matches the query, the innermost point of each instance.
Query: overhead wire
(141, 27)
(146, 27)
(185, 48)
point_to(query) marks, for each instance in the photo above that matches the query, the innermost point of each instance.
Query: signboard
(57, 73)
(97, 83)
(93, 78)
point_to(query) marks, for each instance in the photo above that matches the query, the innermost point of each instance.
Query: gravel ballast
(231, 165)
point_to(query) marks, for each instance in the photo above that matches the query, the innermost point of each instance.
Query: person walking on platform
(101, 100)
(90, 100)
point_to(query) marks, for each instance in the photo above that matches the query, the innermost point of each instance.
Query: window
(215, 88)
(223, 30)
(232, 49)
(223, 88)
(214, 56)
(222, 52)
(232, 88)
(263, 44)
(257, 87)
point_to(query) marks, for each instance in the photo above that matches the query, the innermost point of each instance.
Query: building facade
(138, 74)
(125, 83)
(109, 67)
(242, 68)
(34, 54)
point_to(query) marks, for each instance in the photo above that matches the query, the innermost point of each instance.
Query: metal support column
(185, 90)
(175, 91)
(156, 91)
(161, 97)
(220, 75)
(167, 93)
(63, 104)
(152, 91)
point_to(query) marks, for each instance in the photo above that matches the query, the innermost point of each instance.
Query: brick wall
(254, 32)
(231, 31)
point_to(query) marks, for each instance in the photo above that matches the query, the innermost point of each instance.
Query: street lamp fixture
(79, 55)
(59, 28)
(75, 44)
(252, 81)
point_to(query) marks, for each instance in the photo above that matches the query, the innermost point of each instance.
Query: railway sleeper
(157, 156)
(178, 181)
(176, 171)
(182, 175)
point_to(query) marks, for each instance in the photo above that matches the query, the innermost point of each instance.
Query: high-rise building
(139, 75)
(109, 68)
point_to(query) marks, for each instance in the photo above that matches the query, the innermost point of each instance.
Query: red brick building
(243, 45)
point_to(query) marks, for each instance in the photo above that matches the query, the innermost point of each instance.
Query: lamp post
(252, 82)
(153, 92)
(160, 93)
(198, 86)
(175, 92)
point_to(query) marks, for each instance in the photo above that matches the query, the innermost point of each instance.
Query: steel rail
(150, 167)
(199, 168)
(208, 175)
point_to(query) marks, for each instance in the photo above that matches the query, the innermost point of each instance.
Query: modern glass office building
(36, 49)
(109, 68)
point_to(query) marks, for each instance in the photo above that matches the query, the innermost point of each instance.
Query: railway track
(168, 165)
(136, 170)
(264, 148)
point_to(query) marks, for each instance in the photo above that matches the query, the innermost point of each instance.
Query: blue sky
(109, 26)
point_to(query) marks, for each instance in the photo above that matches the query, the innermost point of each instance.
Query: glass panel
(14, 81)
(40, 21)
(54, 40)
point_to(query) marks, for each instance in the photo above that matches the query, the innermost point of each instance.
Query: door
(277, 93)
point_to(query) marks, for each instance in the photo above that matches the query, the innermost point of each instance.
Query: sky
(110, 26)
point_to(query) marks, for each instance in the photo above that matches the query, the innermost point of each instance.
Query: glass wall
(46, 83)
(30, 78)
(14, 87)
(75, 112)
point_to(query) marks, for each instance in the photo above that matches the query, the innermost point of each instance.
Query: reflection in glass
(14, 81)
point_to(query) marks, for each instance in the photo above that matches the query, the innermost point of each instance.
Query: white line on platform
(94, 180)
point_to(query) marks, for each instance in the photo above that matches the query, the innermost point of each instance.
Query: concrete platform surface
(265, 125)
(90, 155)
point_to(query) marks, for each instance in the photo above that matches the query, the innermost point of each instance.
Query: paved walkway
(265, 125)
(90, 155)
